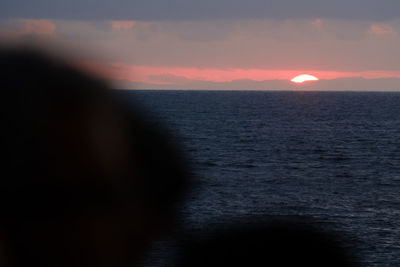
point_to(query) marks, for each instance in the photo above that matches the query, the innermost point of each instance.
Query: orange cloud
(317, 23)
(120, 25)
(37, 26)
(380, 29)
(170, 75)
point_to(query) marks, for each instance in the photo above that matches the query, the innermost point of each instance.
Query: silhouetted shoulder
(266, 244)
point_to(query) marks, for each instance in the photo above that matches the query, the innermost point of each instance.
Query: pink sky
(169, 75)
(221, 51)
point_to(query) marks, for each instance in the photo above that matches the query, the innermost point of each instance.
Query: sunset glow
(168, 77)
(159, 54)
(303, 78)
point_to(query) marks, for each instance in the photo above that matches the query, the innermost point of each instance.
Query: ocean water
(333, 156)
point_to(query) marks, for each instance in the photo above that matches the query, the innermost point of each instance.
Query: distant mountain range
(340, 84)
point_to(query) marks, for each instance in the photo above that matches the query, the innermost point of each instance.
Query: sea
(330, 156)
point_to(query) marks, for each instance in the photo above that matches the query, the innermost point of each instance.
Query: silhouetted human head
(84, 182)
(279, 243)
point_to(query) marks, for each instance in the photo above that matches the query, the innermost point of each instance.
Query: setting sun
(303, 78)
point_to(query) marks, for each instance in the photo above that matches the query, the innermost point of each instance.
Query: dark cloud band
(200, 10)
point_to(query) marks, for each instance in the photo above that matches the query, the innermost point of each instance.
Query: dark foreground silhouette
(85, 181)
(277, 243)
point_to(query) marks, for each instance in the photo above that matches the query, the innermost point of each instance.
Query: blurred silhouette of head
(85, 180)
(280, 243)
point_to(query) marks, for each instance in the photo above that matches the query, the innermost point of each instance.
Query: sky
(218, 44)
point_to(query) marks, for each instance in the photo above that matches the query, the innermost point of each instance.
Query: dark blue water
(333, 156)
